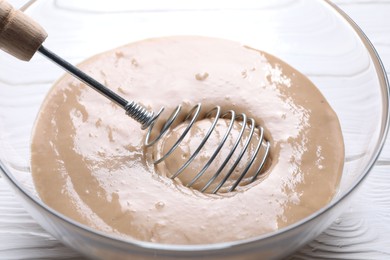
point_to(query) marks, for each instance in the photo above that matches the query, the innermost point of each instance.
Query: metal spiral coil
(194, 115)
(141, 114)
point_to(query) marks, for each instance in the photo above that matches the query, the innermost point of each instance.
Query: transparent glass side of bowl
(309, 35)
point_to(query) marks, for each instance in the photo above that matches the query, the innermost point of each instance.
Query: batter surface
(88, 160)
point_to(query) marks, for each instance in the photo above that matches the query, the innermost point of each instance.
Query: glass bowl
(311, 35)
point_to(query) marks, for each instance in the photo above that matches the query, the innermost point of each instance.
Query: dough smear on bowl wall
(89, 163)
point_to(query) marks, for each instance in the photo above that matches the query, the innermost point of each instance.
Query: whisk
(22, 37)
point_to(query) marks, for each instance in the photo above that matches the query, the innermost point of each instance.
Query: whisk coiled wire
(140, 114)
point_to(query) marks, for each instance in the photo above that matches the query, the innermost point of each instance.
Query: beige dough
(88, 160)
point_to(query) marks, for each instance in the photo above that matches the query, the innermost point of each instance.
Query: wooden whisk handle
(20, 35)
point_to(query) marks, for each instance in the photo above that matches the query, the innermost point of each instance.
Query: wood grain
(20, 36)
(362, 232)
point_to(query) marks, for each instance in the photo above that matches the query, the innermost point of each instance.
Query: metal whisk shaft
(136, 111)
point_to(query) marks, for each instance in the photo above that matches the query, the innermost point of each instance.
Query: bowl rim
(143, 245)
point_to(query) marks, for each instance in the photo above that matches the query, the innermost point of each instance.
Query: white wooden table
(361, 232)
